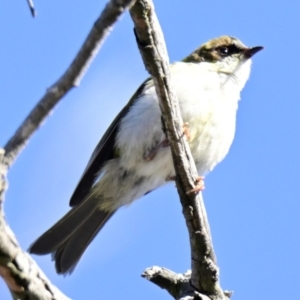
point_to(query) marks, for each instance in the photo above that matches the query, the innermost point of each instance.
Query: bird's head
(225, 54)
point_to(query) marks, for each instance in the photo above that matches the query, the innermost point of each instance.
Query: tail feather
(63, 229)
(69, 253)
(70, 236)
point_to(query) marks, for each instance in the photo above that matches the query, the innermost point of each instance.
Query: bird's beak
(249, 52)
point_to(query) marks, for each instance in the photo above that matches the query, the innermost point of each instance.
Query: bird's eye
(223, 51)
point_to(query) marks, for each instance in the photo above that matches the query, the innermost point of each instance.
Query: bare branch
(69, 79)
(205, 273)
(178, 285)
(21, 274)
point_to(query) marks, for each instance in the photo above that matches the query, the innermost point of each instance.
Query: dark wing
(104, 150)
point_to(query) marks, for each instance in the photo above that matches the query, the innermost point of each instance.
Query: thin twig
(177, 285)
(205, 275)
(69, 79)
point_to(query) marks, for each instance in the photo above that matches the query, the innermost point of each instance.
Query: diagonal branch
(71, 78)
(205, 273)
(21, 274)
(19, 271)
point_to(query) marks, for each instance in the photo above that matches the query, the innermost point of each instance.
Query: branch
(71, 78)
(205, 272)
(19, 271)
(178, 285)
(21, 274)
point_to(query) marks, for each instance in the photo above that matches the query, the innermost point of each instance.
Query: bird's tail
(70, 236)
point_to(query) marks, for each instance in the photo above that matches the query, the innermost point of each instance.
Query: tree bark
(204, 277)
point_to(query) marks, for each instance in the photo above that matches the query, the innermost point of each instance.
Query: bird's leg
(199, 185)
(151, 154)
(148, 156)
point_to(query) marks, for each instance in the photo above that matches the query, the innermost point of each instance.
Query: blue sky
(252, 197)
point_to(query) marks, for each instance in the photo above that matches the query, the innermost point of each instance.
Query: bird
(134, 158)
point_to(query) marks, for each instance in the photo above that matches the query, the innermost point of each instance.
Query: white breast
(209, 106)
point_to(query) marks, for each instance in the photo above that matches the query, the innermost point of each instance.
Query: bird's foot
(148, 156)
(171, 178)
(186, 130)
(199, 185)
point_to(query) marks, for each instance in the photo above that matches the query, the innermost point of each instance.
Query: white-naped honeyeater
(133, 157)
